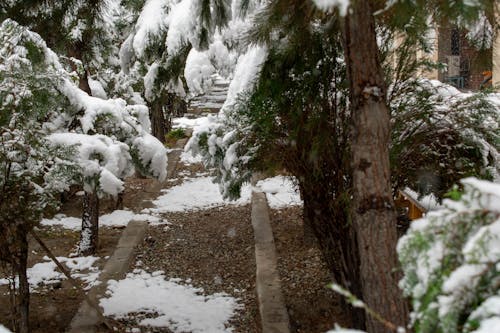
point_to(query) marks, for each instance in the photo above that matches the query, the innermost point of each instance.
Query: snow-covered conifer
(110, 138)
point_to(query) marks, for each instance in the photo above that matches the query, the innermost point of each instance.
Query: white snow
(327, 5)
(245, 73)
(280, 192)
(3, 329)
(67, 222)
(188, 158)
(153, 154)
(150, 22)
(202, 193)
(181, 26)
(185, 122)
(149, 81)
(168, 303)
(97, 89)
(118, 218)
(195, 194)
(490, 325)
(46, 273)
(99, 156)
(198, 72)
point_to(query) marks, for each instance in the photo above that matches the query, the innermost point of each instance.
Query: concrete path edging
(86, 319)
(273, 313)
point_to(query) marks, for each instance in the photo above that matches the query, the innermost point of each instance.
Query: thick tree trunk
(374, 218)
(24, 288)
(90, 225)
(328, 220)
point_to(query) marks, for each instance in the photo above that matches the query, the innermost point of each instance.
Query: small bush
(174, 135)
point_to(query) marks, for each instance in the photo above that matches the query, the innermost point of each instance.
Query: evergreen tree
(31, 170)
(110, 137)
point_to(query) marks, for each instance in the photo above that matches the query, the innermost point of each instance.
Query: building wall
(472, 62)
(496, 47)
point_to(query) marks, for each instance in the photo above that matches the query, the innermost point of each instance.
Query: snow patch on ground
(202, 193)
(188, 158)
(118, 218)
(280, 192)
(167, 303)
(195, 194)
(46, 273)
(185, 122)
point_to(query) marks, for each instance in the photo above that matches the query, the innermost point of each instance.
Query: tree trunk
(328, 219)
(373, 214)
(90, 225)
(119, 200)
(24, 288)
(157, 120)
(77, 51)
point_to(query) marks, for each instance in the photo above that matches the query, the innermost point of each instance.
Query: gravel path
(214, 249)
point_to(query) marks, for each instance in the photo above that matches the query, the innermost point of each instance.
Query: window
(455, 41)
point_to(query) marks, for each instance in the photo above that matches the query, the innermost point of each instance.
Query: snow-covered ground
(118, 218)
(46, 273)
(202, 193)
(169, 303)
(153, 298)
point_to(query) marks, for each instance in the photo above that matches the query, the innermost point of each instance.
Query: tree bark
(157, 120)
(24, 288)
(374, 217)
(89, 237)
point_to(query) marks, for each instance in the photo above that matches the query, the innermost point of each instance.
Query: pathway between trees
(195, 269)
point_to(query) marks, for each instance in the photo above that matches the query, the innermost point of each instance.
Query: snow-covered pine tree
(110, 138)
(158, 72)
(172, 56)
(32, 171)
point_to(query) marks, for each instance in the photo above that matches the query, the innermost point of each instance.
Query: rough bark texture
(24, 288)
(157, 120)
(374, 218)
(89, 236)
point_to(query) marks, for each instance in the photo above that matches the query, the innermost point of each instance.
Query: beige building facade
(496, 47)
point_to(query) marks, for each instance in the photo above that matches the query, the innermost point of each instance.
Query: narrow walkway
(215, 249)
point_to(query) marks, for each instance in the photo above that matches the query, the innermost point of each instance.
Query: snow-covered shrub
(223, 141)
(441, 135)
(451, 263)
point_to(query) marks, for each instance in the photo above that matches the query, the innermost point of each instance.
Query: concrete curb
(86, 318)
(273, 313)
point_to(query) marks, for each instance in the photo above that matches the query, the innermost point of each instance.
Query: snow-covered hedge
(451, 263)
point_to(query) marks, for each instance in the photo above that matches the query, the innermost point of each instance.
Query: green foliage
(176, 134)
(450, 262)
(440, 135)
